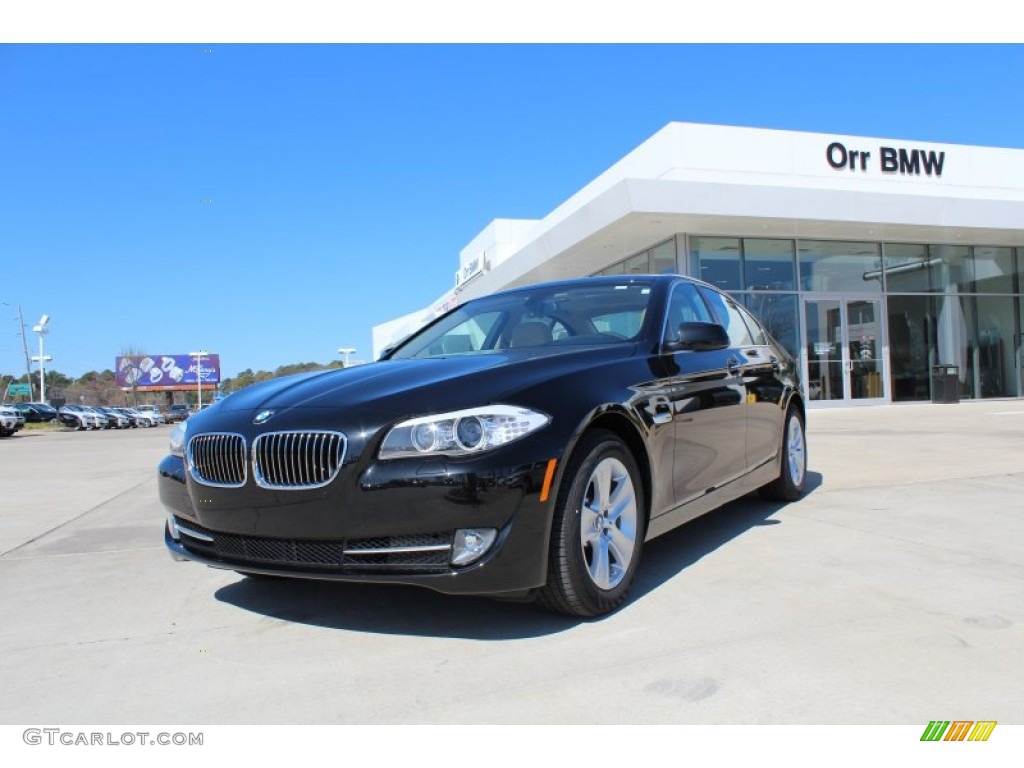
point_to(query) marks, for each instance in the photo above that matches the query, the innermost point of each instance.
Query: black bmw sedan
(525, 445)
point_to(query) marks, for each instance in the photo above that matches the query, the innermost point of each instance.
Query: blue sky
(344, 179)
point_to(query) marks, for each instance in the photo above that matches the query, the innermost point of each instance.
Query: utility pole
(24, 343)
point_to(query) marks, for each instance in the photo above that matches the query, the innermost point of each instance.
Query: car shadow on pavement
(403, 610)
(671, 554)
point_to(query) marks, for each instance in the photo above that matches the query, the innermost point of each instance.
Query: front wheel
(789, 486)
(598, 529)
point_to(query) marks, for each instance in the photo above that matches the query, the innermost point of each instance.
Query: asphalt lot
(893, 593)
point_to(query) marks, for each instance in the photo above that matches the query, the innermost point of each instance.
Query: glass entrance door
(845, 354)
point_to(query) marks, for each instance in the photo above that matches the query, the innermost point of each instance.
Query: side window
(684, 306)
(729, 316)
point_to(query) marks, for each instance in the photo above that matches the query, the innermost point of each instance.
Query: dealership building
(888, 267)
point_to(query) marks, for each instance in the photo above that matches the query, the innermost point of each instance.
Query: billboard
(165, 371)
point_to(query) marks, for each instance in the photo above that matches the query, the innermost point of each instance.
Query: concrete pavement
(892, 593)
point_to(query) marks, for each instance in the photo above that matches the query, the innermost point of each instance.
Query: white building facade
(879, 263)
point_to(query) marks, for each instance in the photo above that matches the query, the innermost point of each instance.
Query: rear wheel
(598, 529)
(789, 486)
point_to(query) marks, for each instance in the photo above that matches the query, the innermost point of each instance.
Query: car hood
(398, 387)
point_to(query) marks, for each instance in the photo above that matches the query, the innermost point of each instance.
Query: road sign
(19, 390)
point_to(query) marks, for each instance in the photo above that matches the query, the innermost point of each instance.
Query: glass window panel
(951, 265)
(614, 269)
(824, 350)
(912, 351)
(778, 314)
(864, 348)
(716, 260)
(1019, 338)
(769, 265)
(663, 258)
(993, 270)
(638, 265)
(995, 347)
(955, 337)
(907, 269)
(841, 267)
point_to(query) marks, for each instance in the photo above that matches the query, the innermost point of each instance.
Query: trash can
(945, 384)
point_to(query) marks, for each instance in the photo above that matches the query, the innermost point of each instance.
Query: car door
(766, 393)
(707, 402)
(758, 367)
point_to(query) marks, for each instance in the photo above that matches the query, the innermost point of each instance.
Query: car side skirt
(715, 498)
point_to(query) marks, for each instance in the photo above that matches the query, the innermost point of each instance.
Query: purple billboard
(165, 371)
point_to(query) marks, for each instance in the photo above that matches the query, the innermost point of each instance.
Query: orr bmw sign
(889, 160)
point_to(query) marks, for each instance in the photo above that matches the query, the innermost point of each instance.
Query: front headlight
(178, 439)
(461, 433)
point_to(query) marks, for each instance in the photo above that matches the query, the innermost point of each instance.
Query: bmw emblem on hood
(262, 417)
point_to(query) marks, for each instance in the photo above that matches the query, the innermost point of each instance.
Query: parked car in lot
(525, 445)
(138, 418)
(19, 417)
(79, 417)
(153, 412)
(35, 412)
(11, 420)
(105, 421)
(177, 412)
(115, 418)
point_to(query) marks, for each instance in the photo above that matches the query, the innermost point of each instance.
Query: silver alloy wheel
(796, 451)
(608, 523)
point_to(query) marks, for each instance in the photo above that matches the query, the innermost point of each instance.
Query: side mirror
(698, 337)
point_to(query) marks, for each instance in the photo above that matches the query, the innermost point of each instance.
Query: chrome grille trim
(218, 459)
(192, 534)
(297, 460)
(398, 550)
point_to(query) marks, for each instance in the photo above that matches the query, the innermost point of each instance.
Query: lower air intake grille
(418, 553)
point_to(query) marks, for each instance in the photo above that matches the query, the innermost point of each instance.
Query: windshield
(547, 317)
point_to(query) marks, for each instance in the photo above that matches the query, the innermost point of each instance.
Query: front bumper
(386, 522)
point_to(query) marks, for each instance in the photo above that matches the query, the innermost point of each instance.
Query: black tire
(789, 485)
(595, 543)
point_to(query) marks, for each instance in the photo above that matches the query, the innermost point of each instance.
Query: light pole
(42, 329)
(346, 351)
(199, 356)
